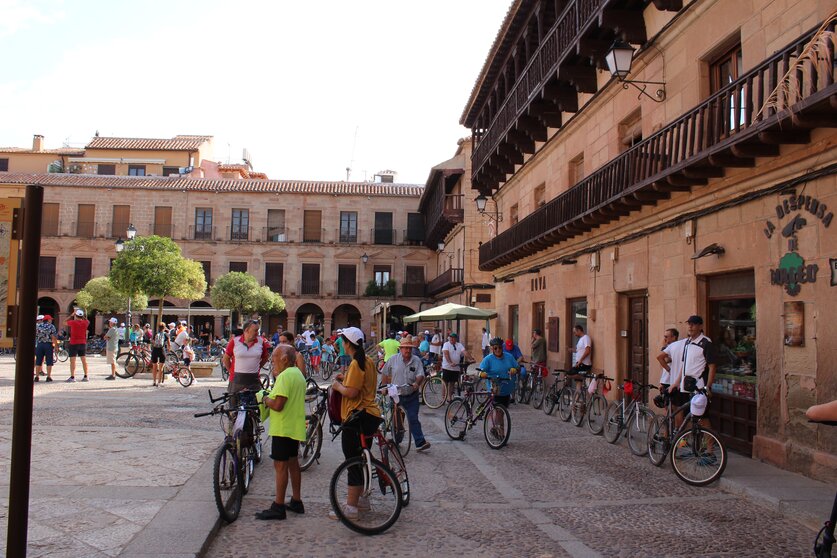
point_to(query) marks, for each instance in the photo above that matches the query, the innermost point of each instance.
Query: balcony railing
(163, 229)
(414, 290)
(275, 234)
(347, 288)
(238, 233)
(412, 238)
(46, 281)
(348, 236)
(558, 43)
(310, 287)
(118, 230)
(202, 232)
(313, 235)
(445, 281)
(277, 286)
(79, 281)
(444, 211)
(49, 228)
(383, 236)
(730, 128)
(85, 229)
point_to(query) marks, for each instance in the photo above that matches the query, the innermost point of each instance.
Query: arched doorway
(395, 319)
(47, 305)
(309, 314)
(345, 315)
(275, 320)
(150, 314)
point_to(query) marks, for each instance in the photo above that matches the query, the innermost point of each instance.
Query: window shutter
(86, 222)
(312, 226)
(552, 337)
(162, 221)
(49, 224)
(274, 274)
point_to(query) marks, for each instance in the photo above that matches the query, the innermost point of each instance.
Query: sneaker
(49, 378)
(363, 503)
(110, 378)
(275, 511)
(41, 373)
(423, 447)
(295, 506)
(84, 379)
(348, 512)
(70, 380)
(37, 379)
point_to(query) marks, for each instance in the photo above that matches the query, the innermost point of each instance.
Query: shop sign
(792, 271)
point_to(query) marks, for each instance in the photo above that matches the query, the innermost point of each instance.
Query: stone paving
(107, 456)
(555, 490)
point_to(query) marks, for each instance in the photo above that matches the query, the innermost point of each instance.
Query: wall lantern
(619, 59)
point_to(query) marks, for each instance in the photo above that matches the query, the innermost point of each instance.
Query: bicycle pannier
(335, 399)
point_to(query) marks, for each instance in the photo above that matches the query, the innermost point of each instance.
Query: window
(310, 279)
(514, 312)
(539, 316)
(207, 272)
(382, 274)
(4, 165)
(540, 195)
(513, 215)
(312, 226)
(106, 169)
(136, 170)
(240, 267)
(415, 228)
(576, 170)
(274, 277)
(348, 226)
(731, 325)
(578, 316)
(240, 229)
(414, 281)
(722, 71)
(83, 272)
(383, 228)
(162, 221)
(203, 223)
(49, 224)
(630, 131)
(276, 225)
(85, 223)
(121, 221)
(347, 280)
(46, 272)
(169, 171)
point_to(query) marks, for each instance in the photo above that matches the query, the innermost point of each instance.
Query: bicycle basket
(335, 399)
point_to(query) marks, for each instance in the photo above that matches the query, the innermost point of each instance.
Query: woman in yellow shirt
(358, 391)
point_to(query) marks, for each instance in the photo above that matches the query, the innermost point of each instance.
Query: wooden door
(638, 337)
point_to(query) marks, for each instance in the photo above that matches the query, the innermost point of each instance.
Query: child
(316, 354)
(188, 353)
(328, 351)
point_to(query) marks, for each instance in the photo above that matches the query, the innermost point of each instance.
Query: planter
(203, 369)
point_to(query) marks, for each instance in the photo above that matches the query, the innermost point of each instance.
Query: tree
(99, 294)
(242, 293)
(154, 265)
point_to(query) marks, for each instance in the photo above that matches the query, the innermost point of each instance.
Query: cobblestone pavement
(555, 490)
(106, 456)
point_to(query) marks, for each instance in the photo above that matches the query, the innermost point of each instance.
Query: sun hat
(353, 334)
(39, 317)
(406, 342)
(79, 312)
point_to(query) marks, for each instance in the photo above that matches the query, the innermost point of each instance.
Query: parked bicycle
(630, 416)
(825, 537)
(535, 387)
(465, 411)
(309, 450)
(381, 490)
(60, 352)
(395, 424)
(552, 397)
(238, 454)
(588, 404)
(137, 359)
(697, 454)
(434, 391)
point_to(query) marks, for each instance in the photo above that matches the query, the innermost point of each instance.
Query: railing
(383, 236)
(412, 238)
(275, 234)
(277, 286)
(348, 236)
(119, 229)
(313, 235)
(737, 112)
(443, 212)
(202, 232)
(46, 281)
(85, 229)
(447, 279)
(413, 289)
(544, 64)
(347, 288)
(238, 233)
(79, 281)
(163, 229)
(49, 228)
(309, 287)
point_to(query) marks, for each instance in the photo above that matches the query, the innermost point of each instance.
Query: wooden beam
(814, 120)
(668, 5)
(563, 95)
(583, 78)
(509, 152)
(703, 172)
(680, 180)
(665, 186)
(651, 196)
(723, 160)
(755, 150)
(532, 126)
(628, 23)
(522, 141)
(787, 137)
(592, 48)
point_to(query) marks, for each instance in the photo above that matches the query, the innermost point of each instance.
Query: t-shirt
(424, 346)
(436, 349)
(498, 367)
(515, 352)
(674, 350)
(328, 352)
(338, 343)
(583, 343)
(485, 340)
(315, 347)
(44, 332)
(308, 336)
(697, 355)
(390, 347)
(290, 421)
(112, 337)
(455, 352)
(181, 338)
(403, 373)
(247, 358)
(78, 331)
(364, 380)
(539, 350)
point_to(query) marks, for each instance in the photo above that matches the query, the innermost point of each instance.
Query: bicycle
(434, 392)
(137, 359)
(395, 420)
(180, 372)
(594, 409)
(381, 489)
(460, 415)
(630, 418)
(60, 352)
(327, 367)
(235, 458)
(698, 456)
(536, 388)
(309, 450)
(825, 537)
(553, 396)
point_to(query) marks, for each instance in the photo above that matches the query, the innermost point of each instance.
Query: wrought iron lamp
(481, 201)
(619, 59)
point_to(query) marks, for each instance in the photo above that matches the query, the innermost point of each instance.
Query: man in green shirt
(390, 346)
(285, 407)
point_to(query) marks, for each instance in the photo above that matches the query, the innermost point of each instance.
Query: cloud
(19, 15)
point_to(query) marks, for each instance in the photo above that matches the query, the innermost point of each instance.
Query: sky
(308, 87)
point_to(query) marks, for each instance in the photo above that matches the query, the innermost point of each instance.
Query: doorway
(638, 339)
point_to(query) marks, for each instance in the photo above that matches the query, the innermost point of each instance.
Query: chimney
(38, 143)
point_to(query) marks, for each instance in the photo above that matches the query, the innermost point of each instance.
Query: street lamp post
(131, 233)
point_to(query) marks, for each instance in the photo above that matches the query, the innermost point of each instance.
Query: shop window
(731, 325)
(578, 316)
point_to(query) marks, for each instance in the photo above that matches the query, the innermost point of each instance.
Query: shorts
(75, 350)
(503, 400)
(679, 398)
(44, 351)
(283, 448)
(315, 361)
(581, 368)
(110, 356)
(240, 382)
(187, 361)
(344, 360)
(158, 355)
(451, 376)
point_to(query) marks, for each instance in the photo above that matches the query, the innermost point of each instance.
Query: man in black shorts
(159, 343)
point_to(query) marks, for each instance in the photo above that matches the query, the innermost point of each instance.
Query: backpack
(335, 399)
(159, 340)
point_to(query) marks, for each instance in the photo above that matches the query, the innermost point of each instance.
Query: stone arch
(395, 318)
(309, 313)
(48, 305)
(346, 315)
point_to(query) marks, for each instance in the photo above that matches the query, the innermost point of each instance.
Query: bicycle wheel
(578, 407)
(613, 422)
(248, 466)
(185, 377)
(132, 366)
(121, 361)
(497, 429)
(264, 379)
(227, 483)
(596, 413)
(400, 432)
(565, 403)
(326, 370)
(456, 418)
(550, 400)
(381, 496)
(309, 450)
(658, 436)
(698, 457)
(225, 374)
(394, 460)
(480, 385)
(530, 386)
(538, 393)
(520, 390)
(434, 392)
(638, 430)
(62, 355)
(172, 358)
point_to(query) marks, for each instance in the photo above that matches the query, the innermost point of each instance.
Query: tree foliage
(241, 292)
(154, 265)
(99, 294)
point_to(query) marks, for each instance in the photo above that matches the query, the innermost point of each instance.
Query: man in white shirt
(583, 351)
(452, 353)
(671, 360)
(698, 363)
(665, 359)
(181, 338)
(309, 336)
(436, 345)
(486, 338)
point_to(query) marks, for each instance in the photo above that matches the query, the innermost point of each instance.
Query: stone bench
(203, 369)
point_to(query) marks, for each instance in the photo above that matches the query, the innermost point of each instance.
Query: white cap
(339, 331)
(697, 405)
(113, 320)
(40, 317)
(354, 335)
(79, 312)
(426, 332)
(171, 324)
(122, 324)
(183, 322)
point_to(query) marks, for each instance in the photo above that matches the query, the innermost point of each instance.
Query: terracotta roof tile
(59, 151)
(214, 185)
(177, 143)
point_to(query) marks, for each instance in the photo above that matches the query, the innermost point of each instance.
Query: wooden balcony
(744, 120)
(450, 278)
(442, 209)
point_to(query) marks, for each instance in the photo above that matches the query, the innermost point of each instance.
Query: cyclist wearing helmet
(500, 365)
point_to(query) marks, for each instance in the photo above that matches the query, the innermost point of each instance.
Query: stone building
(698, 180)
